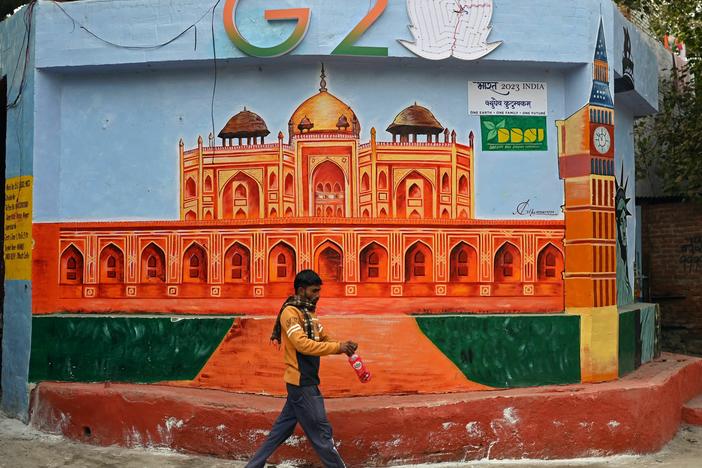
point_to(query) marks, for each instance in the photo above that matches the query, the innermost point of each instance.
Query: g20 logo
(301, 16)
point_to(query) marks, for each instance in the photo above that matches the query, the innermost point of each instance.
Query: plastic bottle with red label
(362, 371)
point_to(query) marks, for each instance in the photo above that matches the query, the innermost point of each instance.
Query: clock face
(602, 140)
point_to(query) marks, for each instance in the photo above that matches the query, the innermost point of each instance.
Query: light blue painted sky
(118, 145)
(108, 144)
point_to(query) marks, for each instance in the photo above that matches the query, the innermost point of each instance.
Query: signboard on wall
(18, 228)
(507, 98)
(513, 133)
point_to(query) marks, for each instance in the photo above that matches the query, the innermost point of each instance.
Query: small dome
(415, 120)
(326, 113)
(305, 124)
(343, 122)
(245, 124)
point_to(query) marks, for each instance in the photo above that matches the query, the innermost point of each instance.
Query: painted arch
(329, 262)
(419, 263)
(282, 263)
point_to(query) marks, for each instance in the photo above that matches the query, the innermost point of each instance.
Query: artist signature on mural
(523, 209)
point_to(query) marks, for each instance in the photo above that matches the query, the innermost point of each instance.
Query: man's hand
(348, 348)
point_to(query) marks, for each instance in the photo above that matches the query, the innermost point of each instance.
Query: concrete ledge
(692, 411)
(637, 414)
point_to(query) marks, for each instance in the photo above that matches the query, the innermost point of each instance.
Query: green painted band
(509, 351)
(122, 349)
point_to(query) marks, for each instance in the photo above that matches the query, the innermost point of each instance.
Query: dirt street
(23, 447)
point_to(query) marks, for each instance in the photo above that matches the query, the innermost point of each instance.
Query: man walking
(304, 340)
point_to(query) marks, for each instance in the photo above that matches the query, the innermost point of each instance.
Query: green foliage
(680, 18)
(8, 6)
(669, 145)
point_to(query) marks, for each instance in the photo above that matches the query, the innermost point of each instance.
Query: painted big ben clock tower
(586, 164)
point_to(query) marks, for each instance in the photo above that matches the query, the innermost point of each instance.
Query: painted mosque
(391, 218)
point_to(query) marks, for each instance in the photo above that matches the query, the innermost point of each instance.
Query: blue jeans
(304, 405)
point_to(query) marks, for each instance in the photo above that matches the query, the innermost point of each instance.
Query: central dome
(324, 113)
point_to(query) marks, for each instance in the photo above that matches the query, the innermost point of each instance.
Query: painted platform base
(637, 414)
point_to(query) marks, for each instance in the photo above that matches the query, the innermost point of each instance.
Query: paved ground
(23, 447)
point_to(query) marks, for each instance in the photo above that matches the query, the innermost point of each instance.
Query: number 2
(347, 47)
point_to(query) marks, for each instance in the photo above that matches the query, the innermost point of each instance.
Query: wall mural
(552, 356)
(626, 82)
(625, 293)
(385, 218)
(123, 349)
(639, 336)
(586, 164)
(450, 28)
(428, 354)
(390, 225)
(627, 228)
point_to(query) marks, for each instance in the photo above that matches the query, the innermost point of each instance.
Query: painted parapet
(552, 423)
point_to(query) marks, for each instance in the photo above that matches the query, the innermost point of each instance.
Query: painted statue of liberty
(625, 294)
(450, 28)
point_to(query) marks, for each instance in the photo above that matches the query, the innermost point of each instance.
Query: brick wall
(672, 260)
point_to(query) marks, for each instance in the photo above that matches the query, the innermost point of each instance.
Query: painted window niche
(374, 263)
(153, 264)
(508, 264)
(195, 264)
(414, 197)
(464, 263)
(329, 262)
(237, 264)
(330, 193)
(550, 264)
(111, 265)
(190, 188)
(419, 264)
(71, 266)
(281, 263)
(241, 198)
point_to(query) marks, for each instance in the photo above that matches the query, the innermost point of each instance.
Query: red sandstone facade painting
(378, 219)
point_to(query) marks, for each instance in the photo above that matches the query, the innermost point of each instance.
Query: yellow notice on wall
(18, 228)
